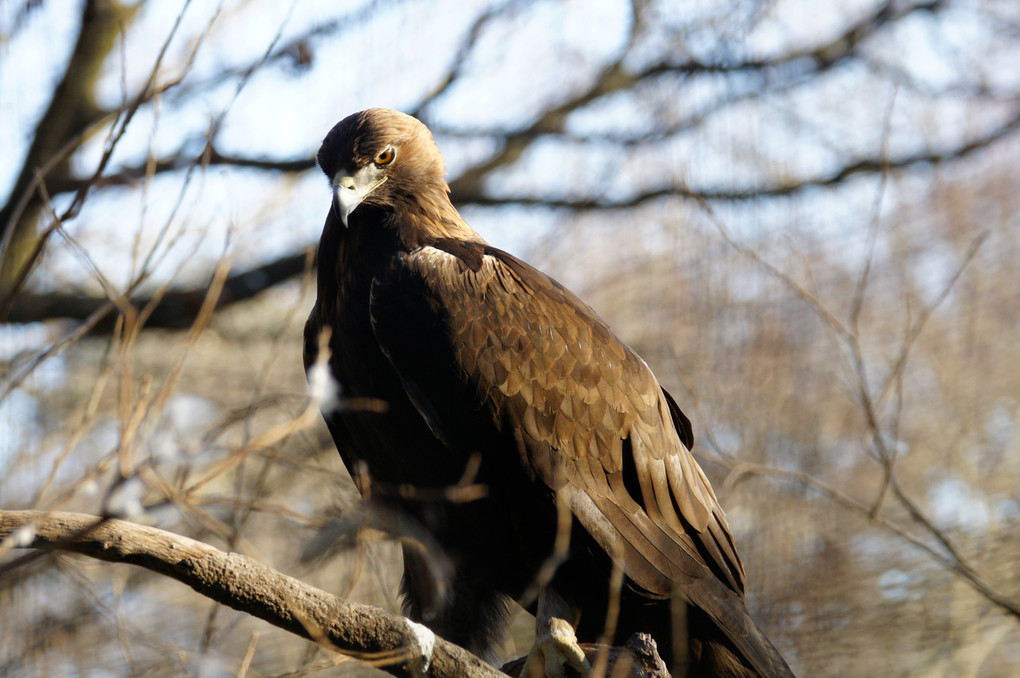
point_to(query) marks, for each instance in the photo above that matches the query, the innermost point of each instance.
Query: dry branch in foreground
(388, 641)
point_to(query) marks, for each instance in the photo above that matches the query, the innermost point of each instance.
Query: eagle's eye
(385, 157)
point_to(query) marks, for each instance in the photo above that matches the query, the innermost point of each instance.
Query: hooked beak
(350, 190)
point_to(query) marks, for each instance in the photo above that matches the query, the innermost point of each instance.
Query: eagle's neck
(426, 215)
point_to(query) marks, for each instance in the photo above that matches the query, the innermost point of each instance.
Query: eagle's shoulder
(472, 258)
(451, 264)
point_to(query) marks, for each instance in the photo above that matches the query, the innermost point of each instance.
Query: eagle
(492, 371)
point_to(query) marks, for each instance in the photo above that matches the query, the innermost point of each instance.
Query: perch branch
(388, 641)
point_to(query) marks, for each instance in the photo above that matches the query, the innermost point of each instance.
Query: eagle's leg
(555, 645)
(464, 610)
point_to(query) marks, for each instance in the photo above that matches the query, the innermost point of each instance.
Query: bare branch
(467, 189)
(71, 109)
(950, 557)
(857, 304)
(918, 327)
(468, 192)
(175, 309)
(796, 66)
(818, 58)
(949, 562)
(296, 52)
(368, 633)
(14, 265)
(179, 161)
(460, 59)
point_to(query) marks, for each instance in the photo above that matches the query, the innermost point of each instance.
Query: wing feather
(550, 371)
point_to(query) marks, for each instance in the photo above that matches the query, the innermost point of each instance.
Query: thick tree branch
(71, 110)
(388, 641)
(177, 309)
(16, 262)
(180, 161)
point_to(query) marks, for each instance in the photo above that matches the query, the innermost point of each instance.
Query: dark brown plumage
(474, 351)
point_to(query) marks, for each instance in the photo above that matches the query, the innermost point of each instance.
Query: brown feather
(475, 351)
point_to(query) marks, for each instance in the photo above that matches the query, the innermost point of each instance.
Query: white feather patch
(22, 537)
(323, 388)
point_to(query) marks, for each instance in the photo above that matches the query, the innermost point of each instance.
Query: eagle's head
(386, 159)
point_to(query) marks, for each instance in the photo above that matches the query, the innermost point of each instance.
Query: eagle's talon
(554, 650)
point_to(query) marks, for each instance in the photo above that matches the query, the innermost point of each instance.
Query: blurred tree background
(803, 215)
